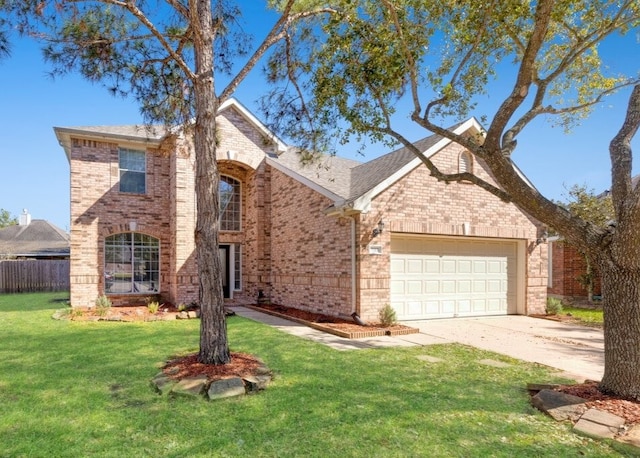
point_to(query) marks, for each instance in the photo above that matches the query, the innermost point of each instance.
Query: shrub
(103, 304)
(554, 306)
(387, 316)
(153, 307)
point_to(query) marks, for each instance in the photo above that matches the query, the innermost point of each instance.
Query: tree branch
(621, 159)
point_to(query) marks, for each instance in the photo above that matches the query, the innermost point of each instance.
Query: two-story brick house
(337, 237)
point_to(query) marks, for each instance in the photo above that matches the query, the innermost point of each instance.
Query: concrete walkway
(577, 351)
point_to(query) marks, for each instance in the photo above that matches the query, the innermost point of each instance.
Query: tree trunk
(214, 348)
(621, 303)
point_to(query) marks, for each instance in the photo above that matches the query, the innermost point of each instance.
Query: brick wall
(310, 252)
(418, 203)
(99, 209)
(567, 267)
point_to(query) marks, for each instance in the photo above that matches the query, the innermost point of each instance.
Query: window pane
(132, 182)
(230, 212)
(132, 264)
(132, 171)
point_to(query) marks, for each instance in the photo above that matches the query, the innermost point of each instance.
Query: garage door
(452, 277)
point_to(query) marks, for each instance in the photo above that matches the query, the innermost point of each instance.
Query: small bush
(153, 307)
(182, 307)
(387, 316)
(554, 306)
(103, 305)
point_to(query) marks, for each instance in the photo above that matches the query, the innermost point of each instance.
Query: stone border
(201, 387)
(337, 332)
(591, 422)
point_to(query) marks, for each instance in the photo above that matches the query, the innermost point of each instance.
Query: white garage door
(452, 277)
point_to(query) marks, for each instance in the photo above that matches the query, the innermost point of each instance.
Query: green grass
(586, 316)
(71, 389)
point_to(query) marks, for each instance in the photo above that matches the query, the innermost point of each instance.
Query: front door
(224, 253)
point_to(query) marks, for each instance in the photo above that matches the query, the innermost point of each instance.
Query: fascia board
(307, 182)
(64, 134)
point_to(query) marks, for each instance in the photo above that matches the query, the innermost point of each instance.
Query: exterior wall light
(543, 238)
(378, 229)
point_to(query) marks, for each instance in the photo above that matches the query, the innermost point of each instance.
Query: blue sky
(35, 171)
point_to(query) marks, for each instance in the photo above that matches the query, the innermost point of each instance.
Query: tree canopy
(6, 219)
(168, 56)
(370, 60)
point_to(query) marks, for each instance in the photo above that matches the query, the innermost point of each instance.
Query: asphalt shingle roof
(350, 179)
(39, 238)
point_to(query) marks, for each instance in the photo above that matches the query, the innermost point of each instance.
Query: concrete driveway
(576, 350)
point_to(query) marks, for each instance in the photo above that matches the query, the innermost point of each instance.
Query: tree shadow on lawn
(31, 302)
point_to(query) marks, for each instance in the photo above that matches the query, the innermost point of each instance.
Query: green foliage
(554, 306)
(6, 219)
(153, 307)
(103, 305)
(584, 203)
(387, 316)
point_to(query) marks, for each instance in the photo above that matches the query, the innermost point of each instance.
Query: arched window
(131, 264)
(230, 211)
(465, 162)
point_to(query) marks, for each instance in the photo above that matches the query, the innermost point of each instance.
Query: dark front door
(224, 251)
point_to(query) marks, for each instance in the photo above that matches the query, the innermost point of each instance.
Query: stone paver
(599, 424)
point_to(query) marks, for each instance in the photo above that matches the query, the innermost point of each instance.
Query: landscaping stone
(559, 406)
(191, 387)
(226, 388)
(541, 386)
(256, 382)
(632, 437)
(163, 384)
(595, 423)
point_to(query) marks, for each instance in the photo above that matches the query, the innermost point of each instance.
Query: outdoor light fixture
(543, 237)
(378, 229)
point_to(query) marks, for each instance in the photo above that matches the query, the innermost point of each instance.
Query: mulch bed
(629, 410)
(334, 325)
(241, 365)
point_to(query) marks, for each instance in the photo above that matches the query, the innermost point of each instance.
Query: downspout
(354, 296)
(354, 266)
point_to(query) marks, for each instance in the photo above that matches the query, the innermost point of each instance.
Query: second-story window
(133, 165)
(230, 212)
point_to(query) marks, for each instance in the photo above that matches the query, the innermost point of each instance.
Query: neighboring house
(567, 268)
(338, 237)
(33, 239)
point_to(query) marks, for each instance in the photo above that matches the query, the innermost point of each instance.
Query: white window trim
(120, 169)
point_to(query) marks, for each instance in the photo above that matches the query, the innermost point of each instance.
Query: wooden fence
(34, 275)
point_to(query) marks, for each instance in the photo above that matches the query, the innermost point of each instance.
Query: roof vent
(25, 218)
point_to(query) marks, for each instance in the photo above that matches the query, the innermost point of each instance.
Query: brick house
(566, 267)
(336, 237)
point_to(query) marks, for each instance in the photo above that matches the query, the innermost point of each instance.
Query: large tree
(370, 60)
(167, 54)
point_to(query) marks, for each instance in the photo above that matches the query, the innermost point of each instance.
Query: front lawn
(589, 317)
(70, 389)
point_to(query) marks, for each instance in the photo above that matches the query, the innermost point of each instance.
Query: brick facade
(290, 248)
(567, 267)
